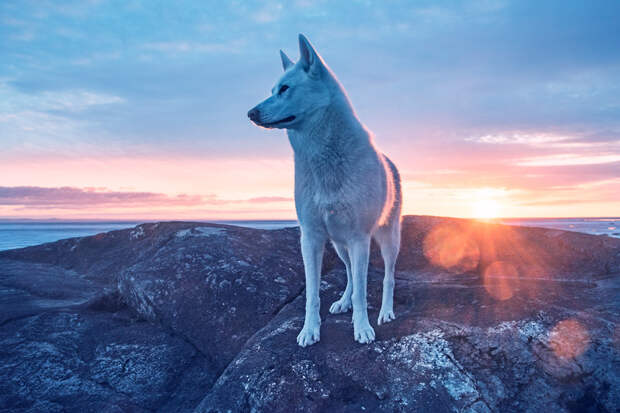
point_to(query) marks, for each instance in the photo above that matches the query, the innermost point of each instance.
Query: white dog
(345, 189)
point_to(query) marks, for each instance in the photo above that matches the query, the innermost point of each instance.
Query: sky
(137, 109)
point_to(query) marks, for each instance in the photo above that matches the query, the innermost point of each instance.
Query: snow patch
(429, 352)
(525, 329)
(532, 329)
(200, 232)
(136, 233)
(292, 324)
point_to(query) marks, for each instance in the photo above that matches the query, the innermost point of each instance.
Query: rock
(436, 356)
(64, 348)
(216, 285)
(187, 316)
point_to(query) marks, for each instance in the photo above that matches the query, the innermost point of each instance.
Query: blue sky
(515, 98)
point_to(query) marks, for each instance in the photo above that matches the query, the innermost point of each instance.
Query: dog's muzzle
(254, 115)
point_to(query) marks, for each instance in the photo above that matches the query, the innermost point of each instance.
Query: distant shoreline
(141, 221)
(128, 221)
(24, 233)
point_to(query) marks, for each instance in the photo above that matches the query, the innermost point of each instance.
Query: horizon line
(219, 220)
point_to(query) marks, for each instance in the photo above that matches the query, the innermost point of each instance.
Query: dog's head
(299, 92)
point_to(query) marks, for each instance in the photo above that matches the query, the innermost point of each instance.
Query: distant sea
(24, 234)
(597, 226)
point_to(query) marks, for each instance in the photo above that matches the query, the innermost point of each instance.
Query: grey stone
(190, 316)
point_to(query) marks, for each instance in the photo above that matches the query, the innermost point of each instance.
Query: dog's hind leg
(388, 238)
(344, 303)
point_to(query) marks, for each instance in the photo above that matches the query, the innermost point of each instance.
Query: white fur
(346, 191)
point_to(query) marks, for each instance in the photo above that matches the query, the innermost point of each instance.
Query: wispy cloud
(569, 159)
(51, 120)
(268, 199)
(74, 100)
(517, 138)
(69, 197)
(36, 132)
(269, 13)
(65, 100)
(546, 140)
(34, 197)
(560, 202)
(177, 47)
(24, 36)
(96, 57)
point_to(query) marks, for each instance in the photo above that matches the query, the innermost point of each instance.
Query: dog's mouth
(279, 122)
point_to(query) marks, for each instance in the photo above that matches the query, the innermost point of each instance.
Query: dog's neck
(332, 132)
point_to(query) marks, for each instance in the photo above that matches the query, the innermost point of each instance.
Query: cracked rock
(181, 316)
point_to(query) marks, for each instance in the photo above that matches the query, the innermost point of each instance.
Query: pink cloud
(269, 199)
(35, 197)
(70, 197)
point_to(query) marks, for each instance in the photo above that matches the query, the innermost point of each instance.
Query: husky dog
(346, 190)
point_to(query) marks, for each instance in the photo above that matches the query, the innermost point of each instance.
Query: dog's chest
(326, 192)
(335, 182)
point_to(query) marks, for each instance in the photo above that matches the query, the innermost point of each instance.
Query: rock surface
(201, 317)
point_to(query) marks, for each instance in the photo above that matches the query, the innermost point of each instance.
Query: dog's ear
(310, 60)
(286, 62)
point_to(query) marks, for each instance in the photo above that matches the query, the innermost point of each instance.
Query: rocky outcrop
(189, 316)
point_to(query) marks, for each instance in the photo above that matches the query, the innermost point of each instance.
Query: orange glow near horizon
(485, 204)
(261, 189)
(486, 209)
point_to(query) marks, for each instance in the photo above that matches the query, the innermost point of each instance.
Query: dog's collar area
(285, 120)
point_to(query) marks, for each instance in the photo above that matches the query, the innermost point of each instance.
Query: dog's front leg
(312, 246)
(359, 254)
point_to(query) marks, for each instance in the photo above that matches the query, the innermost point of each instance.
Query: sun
(486, 209)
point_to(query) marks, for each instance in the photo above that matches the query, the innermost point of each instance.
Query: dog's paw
(385, 316)
(309, 335)
(363, 332)
(341, 306)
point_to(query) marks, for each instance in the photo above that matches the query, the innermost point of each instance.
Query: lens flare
(569, 339)
(451, 249)
(500, 280)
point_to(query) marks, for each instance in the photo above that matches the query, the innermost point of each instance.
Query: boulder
(181, 316)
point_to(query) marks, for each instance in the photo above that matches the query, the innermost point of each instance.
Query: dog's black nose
(254, 115)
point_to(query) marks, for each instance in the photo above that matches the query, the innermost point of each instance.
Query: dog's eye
(282, 89)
